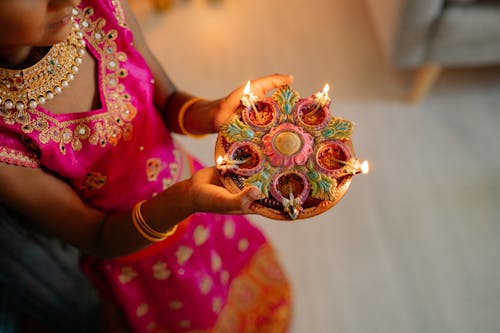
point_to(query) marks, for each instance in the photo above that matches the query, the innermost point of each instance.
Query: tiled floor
(415, 245)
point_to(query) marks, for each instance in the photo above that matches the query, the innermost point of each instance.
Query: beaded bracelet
(143, 227)
(182, 113)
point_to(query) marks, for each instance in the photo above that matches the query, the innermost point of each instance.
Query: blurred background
(414, 246)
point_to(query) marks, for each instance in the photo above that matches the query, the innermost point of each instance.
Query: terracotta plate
(293, 149)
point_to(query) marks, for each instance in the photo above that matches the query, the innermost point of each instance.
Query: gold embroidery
(183, 254)
(22, 90)
(245, 293)
(175, 169)
(153, 168)
(201, 234)
(127, 274)
(142, 309)
(205, 285)
(99, 129)
(216, 262)
(243, 245)
(184, 323)
(217, 304)
(151, 326)
(94, 181)
(228, 229)
(119, 13)
(256, 302)
(224, 277)
(253, 298)
(229, 321)
(268, 269)
(160, 271)
(16, 157)
(175, 305)
(166, 183)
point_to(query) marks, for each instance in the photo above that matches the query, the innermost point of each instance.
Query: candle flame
(220, 160)
(322, 98)
(246, 91)
(326, 88)
(365, 167)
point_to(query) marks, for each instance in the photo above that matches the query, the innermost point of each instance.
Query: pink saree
(217, 273)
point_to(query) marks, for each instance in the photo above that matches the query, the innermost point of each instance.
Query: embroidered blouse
(112, 156)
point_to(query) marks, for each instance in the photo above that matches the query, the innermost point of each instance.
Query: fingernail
(254, 193)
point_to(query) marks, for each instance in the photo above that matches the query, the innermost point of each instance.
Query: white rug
(415, 245)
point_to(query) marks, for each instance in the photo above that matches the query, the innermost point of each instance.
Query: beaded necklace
(27, 88)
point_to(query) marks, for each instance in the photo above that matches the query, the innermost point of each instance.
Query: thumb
(247, 196)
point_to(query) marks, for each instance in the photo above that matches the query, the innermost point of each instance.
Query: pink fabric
(185, 285)
(216, 272)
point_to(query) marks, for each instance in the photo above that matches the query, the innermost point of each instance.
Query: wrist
(185, 204)
(169, 208)
(186, 119)
(216, 109)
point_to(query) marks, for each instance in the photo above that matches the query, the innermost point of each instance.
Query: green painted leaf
(261, 180)
(322, 186)
(286, 98)
(338, 129)
(236, 130)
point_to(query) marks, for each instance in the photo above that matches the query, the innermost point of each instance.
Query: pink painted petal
(288, 161)
(276, 160)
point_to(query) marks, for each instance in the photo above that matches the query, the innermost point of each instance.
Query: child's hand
(259, 87)
(207, 194)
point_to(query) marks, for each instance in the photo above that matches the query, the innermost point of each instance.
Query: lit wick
(365, 167)
(322, 99)
(226, 165)
(352, 166)
(248, 100)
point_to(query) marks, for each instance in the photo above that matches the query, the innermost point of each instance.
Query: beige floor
(415, 245)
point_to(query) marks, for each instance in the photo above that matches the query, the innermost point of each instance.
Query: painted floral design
(287, 145)
(288, 173)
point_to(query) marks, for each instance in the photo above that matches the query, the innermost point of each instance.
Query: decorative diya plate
(293, 149)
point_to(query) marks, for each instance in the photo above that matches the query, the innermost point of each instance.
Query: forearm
(196, 118)
(207, 116)
(51, 205)
(119, 236)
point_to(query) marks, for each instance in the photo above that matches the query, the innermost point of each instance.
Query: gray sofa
(429, 35)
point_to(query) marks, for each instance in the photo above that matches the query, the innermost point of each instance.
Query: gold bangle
(182, 113)
(143, 227)
(141, 221)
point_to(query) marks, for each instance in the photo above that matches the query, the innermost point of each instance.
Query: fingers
(210, 196)
(220, 200)
(266, 83)
(260, 87)
(248, 196)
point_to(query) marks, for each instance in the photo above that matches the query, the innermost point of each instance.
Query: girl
(86, 156)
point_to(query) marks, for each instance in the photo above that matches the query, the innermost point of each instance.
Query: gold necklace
(33, 86)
